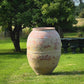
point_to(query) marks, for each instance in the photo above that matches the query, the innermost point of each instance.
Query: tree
(15, 15)
(81, 14)
(79, 8)
(58, 13)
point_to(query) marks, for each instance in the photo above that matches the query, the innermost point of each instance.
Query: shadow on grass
(68, 73)
(6, 54)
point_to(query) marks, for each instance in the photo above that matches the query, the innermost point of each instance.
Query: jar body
(43, 50)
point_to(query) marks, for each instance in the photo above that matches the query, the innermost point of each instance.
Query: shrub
(69, 28)
(80, 34)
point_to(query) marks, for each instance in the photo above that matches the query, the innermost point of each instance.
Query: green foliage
(25, 32)
(17, 11)
(14, 16)
(41, 13)
(79, 9)
(54, 13)
(22, 13)
(81, 14)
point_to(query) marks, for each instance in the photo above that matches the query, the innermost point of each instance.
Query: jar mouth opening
(43, 28)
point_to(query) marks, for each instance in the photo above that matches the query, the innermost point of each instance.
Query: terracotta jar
(43, 49)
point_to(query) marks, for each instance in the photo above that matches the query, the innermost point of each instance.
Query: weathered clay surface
(43, 49)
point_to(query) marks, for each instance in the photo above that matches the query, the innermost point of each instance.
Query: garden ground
(15, 69)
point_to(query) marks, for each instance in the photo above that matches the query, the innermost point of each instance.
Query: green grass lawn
(14, 67)
(72, 35)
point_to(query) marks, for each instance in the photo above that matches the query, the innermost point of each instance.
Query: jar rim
(43, 28)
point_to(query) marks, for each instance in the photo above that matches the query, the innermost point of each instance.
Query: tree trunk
(59, 29)
(16, 42)
(80, 1)
(17, 45)
(15, 34)
(15, 37)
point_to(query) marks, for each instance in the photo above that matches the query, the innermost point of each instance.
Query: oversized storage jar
(43, 49)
